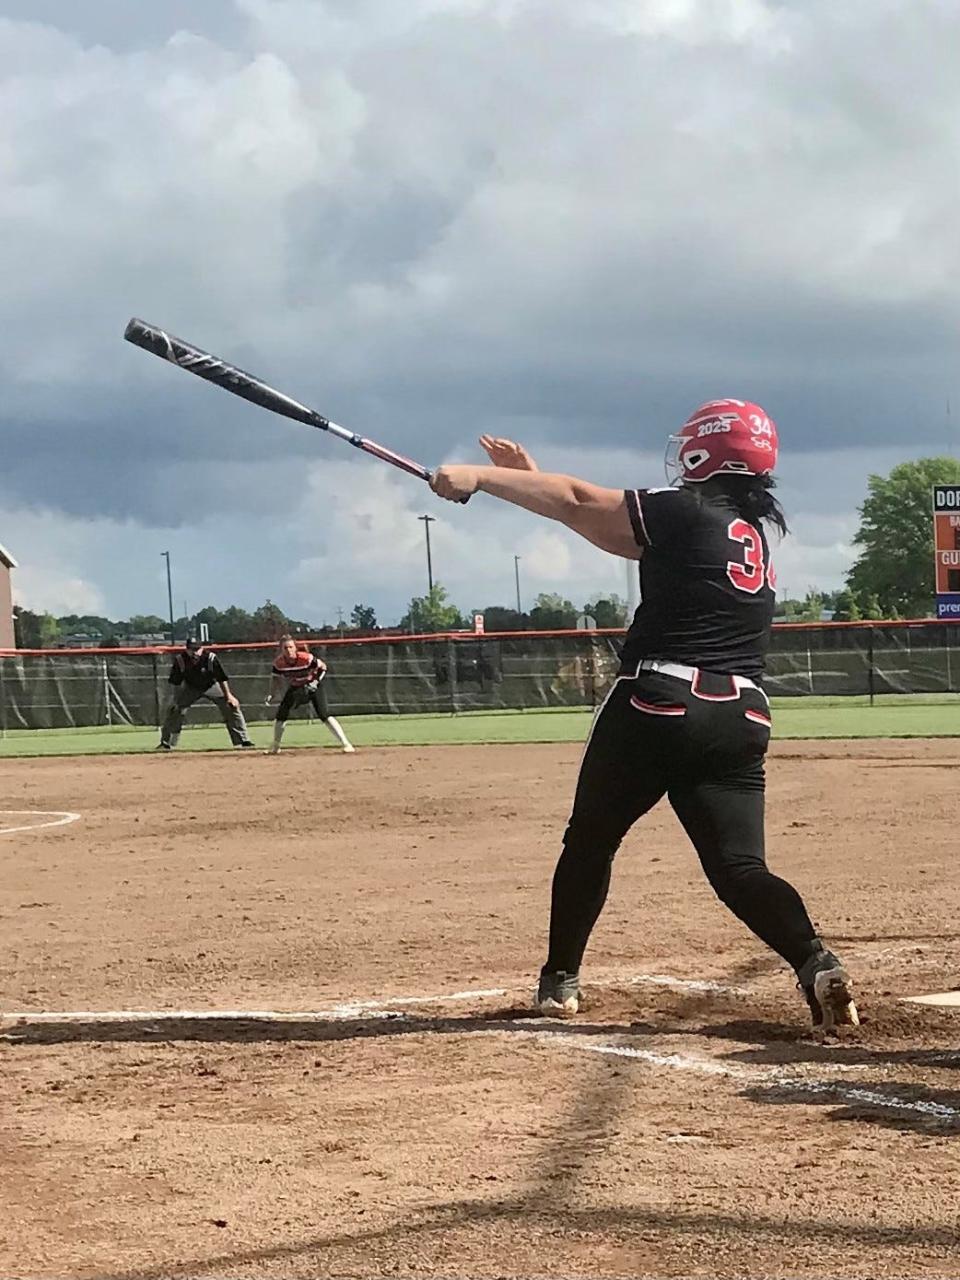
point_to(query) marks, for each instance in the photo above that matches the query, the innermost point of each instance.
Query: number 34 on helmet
(723, 437)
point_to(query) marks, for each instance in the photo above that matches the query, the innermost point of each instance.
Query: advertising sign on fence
(946, 542)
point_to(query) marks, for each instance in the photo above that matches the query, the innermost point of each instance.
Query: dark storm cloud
(438, 217)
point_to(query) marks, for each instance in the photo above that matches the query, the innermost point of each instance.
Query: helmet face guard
(671, 461)
(723, 437)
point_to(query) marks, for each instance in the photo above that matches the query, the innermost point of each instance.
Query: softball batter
(302, 674)
(687, 716)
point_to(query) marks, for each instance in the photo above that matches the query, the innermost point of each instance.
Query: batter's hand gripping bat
(250, 388)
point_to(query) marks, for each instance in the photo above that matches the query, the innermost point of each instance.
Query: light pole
(427, 522)
(516, 575)
(166, 555)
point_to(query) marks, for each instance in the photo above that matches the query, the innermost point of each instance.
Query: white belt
(690, 675)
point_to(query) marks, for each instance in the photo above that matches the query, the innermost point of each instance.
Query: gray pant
(185, 697)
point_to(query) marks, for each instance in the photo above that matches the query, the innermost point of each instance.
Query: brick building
(7, 563)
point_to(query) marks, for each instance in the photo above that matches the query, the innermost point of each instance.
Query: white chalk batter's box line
(348, 1009)
(58, 818)
(777, 1079)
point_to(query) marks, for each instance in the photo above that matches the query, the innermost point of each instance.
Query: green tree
(812, 608)
(363, 617)
(895, 564)
(49, 630)
(298, 628)
(34, 630)
(144, 624)
(432, 612)
(26, 628)
(90, 624)
(233, 626)
(871, 609)
(608, 611)
(497, 617)
(846, 607)
(269, 622)
(552, 612)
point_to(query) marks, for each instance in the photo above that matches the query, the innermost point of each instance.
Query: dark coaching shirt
(199, 673)
(706, 583)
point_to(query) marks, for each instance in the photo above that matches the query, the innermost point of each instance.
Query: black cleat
(558, 994)
(163, 746)
(828, 990)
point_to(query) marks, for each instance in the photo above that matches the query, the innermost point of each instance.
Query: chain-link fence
(462, 672)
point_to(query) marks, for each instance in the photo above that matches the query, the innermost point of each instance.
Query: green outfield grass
(793, 718)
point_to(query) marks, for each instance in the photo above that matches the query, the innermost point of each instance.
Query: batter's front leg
(619, 782)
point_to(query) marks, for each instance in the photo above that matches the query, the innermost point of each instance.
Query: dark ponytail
(753, 498)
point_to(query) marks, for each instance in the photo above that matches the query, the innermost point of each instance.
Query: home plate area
(670, 1122)
(245, 1037)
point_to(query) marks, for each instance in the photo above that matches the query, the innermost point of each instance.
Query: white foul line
(61, 818)
(777, 1080)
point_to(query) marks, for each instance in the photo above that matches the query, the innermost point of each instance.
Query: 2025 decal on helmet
(723, 437)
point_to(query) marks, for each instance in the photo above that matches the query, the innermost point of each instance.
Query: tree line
(550, 612)
(429, 613)
(892, 577)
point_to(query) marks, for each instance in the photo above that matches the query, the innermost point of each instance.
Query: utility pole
(427, 522)
(166, 556)
(516, 575)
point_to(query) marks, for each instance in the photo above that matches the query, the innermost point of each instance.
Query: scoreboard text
(946, 543)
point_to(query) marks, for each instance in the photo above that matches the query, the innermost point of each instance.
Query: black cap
(193, 646)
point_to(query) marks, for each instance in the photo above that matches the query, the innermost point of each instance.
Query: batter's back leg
(724, 819)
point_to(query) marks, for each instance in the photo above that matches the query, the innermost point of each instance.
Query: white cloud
(438, 216)
(49, 576)
(46, 591)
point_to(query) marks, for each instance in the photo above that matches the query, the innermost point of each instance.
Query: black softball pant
(315, 694)
(655, 736)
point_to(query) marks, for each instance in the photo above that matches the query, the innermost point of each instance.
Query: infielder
(302, 674)
(687, 716)
(198, 673)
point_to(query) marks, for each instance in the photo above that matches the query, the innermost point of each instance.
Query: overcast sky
(564, 221)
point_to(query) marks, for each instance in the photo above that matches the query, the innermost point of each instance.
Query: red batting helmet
(723, 437)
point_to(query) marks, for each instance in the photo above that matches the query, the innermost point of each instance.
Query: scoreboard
(946, 543)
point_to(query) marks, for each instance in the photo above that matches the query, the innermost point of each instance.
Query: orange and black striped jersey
(300, 670)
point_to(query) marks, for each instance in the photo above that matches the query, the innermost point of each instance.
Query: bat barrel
(211, 368)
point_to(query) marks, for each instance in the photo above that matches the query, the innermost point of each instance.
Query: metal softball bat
(230, 378)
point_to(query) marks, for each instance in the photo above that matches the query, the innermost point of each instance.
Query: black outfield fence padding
(520, 670)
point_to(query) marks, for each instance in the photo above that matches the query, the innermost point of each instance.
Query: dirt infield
(413, 1120)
